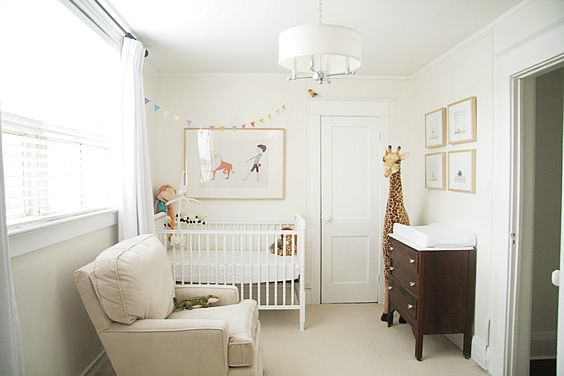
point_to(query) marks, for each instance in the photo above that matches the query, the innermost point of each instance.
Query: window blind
(51, 170)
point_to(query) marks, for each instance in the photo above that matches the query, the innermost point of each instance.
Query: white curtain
(136, 209)
(11, 357)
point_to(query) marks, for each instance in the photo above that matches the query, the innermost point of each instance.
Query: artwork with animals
(395, 213)
(225, 167)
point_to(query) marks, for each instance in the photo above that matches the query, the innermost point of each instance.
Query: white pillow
(133, 280)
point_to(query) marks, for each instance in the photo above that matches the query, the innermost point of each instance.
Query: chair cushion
(133, 280)
(242, 319)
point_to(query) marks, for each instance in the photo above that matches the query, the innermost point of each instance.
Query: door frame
(519, 291)
(326, 107)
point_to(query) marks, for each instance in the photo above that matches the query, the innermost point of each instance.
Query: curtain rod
(126, 33)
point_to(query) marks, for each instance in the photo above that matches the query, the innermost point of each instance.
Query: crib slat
(293, 268)
(284, 269)
(267, 270)
(275, 272)
(242, 267)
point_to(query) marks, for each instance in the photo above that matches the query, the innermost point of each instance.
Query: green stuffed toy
(196, 302)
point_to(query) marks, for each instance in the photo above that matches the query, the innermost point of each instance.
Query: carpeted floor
(350, 339)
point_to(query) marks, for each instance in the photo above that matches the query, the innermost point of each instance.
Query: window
(59, 103)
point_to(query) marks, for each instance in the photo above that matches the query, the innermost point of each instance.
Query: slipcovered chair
(128, 293)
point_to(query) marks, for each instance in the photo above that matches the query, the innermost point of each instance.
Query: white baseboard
(543, 345)
(479, 352)
(100, 366)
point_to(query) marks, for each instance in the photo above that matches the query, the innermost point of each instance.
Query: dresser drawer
(404, 265)
(403, 300)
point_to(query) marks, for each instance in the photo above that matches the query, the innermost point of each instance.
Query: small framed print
(435, 128)
(462, 171)
(462, 121)
(435, 171)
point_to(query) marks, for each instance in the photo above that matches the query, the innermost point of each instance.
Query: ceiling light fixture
(321, 51)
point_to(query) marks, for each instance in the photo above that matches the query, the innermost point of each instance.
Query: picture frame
(435, 128)
(234, 163)
(462, 126)
(462, 171)
(435, 171)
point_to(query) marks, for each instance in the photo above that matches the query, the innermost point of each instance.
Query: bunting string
(262, 120)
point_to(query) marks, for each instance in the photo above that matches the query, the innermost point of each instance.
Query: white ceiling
(241, 36)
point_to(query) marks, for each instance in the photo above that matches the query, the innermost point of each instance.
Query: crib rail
(265, 262)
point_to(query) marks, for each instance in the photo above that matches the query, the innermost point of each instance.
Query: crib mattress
(232, 266)
(435, 235)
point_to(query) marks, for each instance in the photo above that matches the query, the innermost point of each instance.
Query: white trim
(318, 109)
(479, 351)
(29, 239)
(473, 38)
(283, 76)
(100, 366)
(513, 64)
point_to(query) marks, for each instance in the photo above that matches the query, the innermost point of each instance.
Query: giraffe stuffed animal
(395, 213)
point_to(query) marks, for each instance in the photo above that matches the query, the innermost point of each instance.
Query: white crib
(239, 254)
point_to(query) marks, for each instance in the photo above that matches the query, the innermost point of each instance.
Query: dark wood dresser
(433, 290)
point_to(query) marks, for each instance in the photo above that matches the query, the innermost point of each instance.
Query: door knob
(555, 277)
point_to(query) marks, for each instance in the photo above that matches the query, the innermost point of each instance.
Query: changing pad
(436, 235)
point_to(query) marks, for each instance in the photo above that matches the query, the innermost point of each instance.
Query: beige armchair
(131, 308)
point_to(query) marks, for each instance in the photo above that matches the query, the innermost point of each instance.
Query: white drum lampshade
(334, 49)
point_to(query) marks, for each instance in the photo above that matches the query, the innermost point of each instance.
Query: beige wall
(467, 73)
(230, 98)
(58, 338)
(548, 175)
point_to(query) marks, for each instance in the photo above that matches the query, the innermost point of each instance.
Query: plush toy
(164, 194)
(196, 302)
(280, 245)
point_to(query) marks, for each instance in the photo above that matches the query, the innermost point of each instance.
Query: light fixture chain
(320, 11)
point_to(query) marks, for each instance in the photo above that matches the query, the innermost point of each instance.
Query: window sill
(28, 239)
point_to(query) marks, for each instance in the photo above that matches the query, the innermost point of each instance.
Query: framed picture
(462, 171)
(435, 171)
(462, 121)
(435, 128)
(235, 163)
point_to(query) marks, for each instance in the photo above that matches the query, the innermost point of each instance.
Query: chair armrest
(227, 294)
(168, 347)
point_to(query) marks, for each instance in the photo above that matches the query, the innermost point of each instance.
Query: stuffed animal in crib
(196, 302)
(164, 194)
(280, 244)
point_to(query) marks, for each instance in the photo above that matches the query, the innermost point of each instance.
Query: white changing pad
(436, 235)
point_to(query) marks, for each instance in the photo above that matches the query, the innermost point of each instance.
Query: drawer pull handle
(391, 268)
(409, 306)
(390, 287)
(391, 248)
(411, 261)
(411, 284)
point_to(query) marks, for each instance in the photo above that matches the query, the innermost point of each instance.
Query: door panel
(350, 167)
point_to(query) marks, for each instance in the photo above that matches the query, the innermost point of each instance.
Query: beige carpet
(350, 339)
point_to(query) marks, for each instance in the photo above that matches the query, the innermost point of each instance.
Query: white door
(351, 159)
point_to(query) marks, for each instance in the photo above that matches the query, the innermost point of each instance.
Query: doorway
(540, 135)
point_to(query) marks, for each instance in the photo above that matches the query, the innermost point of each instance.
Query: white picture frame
(235, 163)
(462, 171)
(462, 126)
(435, 128)
(435, 171)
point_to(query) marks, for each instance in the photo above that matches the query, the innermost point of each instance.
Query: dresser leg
(467, 346)
(419, 346)
(390, 317)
